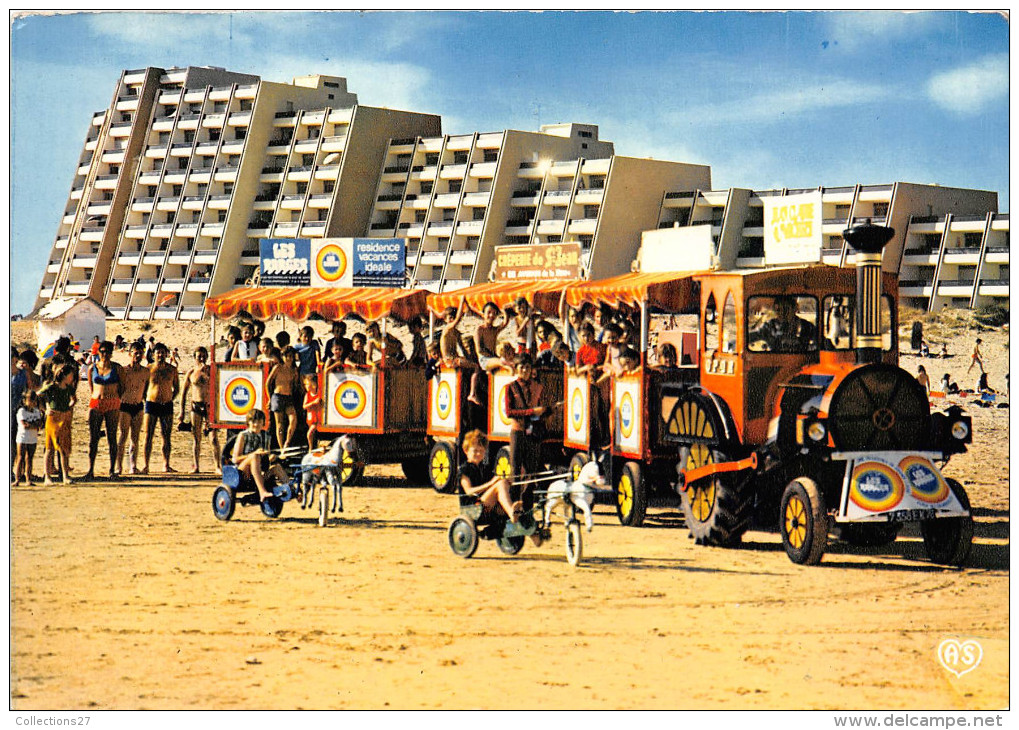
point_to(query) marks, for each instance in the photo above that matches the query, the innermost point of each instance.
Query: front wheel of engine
(803, 522)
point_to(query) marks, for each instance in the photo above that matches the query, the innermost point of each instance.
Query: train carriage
(451, 415)
(381, 411)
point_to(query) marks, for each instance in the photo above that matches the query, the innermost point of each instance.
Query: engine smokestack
(868, 241)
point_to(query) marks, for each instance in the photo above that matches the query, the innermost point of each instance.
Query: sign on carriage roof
(537, 261)
(343, 262)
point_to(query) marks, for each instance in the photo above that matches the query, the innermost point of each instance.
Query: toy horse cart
(475, 522)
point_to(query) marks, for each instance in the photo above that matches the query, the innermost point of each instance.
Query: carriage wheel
(578, 462)
(223, 503)
(948, 540)
(631, 496)
(272, 507)
(574, 543)
(349, 469)
(323, 507)
(803, 521)
(503, 464)
(714, 510)
(463, 536)
(442, 466)
(511, 545)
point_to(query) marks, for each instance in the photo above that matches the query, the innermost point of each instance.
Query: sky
(767, 99)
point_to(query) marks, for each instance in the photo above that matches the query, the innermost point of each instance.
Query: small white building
(82, 317)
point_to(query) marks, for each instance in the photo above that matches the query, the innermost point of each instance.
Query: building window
(240, 133)
(432, 158)
(880, 210)
(584, 134)
(555, 239)
(491, 155)
(591, 211)
(245, 105)
(479, 214)
(314, 132)
(597, 182)
(460, 157)
(328, 186)
(426, 188)
(455, 186)
(302, 188)
(419, 216)
(214, 135)
(220, 216)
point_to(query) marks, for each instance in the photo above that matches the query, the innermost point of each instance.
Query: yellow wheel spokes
(702, 498)
(440, 467)
(346, 465)
(796, 522)
(503, 468)
(624, 494)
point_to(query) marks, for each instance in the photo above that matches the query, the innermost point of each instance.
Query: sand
(133, 596)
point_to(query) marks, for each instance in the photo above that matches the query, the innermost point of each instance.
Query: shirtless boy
(197, 382)
(487, 335)
(449, 342)
(159, 397)
(284, 384)
(135, 381)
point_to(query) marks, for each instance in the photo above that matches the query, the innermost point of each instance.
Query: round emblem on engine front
(883, 418)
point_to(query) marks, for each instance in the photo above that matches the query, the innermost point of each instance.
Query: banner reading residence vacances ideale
(342, 262)
(792, 228)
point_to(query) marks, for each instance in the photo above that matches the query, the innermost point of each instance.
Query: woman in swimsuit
(105, 387)
(197, 382)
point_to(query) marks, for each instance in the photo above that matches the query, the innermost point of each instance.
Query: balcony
(76, 288)
(477, 200)
(440, 228)
(469, 228)
(394, 169)
(122, 285)
(463, 257)
(447, 200)
(483, 169)
(453, 172)
(313, 228)
(589, 196)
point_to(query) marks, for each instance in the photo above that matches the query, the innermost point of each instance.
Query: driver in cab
(781, 329)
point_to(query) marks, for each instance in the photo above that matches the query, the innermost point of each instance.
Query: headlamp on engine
(816, 431)
(811, 431)
(960, 430)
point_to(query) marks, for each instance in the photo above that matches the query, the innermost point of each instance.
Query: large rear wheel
(715, 510)
(803, 522)
(948, 540)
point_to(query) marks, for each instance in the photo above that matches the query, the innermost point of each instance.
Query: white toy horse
(579, 492)
(323, 465)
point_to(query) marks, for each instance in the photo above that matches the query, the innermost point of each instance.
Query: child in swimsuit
(283, 383)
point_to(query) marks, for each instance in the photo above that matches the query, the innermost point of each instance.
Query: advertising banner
(537, 261)
(443, 404)
(350, 400)
(578, 413)
(284, 261)
(907, 485)
(686, 248)
(240, 393)
(792, 229)
(342, 262)
(627, 415)
(499, 422)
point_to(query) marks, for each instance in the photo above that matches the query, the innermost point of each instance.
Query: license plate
(912, 515)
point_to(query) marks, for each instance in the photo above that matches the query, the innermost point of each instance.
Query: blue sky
(794, 99)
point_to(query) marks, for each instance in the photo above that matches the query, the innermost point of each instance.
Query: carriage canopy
(330, 303)
(543, 295)
(669, 291)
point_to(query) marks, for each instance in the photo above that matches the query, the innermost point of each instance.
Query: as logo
(331, 263)
(925, 483)
(876, 487)
(444, 400)
(577, 409)
(350, 399)
(626, 415)
(239, 396)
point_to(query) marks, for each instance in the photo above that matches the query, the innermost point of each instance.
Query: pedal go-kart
(475, 523)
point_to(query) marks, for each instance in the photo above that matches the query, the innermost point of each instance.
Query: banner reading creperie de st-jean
(343, 262)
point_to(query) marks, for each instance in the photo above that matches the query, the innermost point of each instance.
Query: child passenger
(250, 450)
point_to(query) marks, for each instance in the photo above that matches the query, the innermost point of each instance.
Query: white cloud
(161, 30)
(852, 30)
(783, 104)
(969, 89)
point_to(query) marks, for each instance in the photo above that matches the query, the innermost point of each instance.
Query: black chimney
(868, 241)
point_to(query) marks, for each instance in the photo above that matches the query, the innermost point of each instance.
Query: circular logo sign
(350, 399)
(331, 262)
(444, 400)
(626, 415)
(501, 405)
(876, 487)
(925, 483)
(239, 396)
(577, 409)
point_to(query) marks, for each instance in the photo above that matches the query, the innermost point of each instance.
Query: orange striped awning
(330, 303)
(671, 291)
(543, 295)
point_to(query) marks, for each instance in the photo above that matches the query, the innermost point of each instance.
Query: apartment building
(455, 198)
(950, 245)
(189, 167)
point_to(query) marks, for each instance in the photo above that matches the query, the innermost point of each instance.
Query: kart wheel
(574, 543)
(631, 495)
(442, 467)
(862, 534)
(578, 462)
(511, 545)
(948, 540)
(503, 464)
(803, 522)
(463, 536)
(323, 507)
(223, 503)
(272, 507)
(714, 510)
